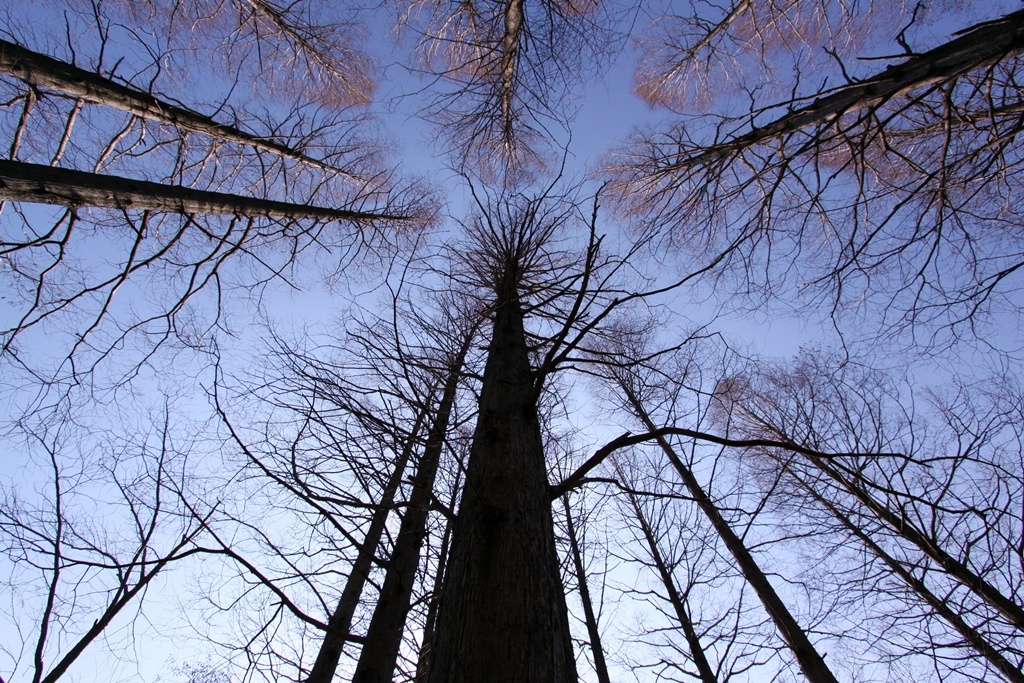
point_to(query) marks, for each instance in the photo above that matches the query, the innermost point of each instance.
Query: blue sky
(607, 113)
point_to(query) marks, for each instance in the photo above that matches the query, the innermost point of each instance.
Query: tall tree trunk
(384, 636)
(23, 182)
(600, 666)
(341, 620)
(503, 615)
(700, 658)
(810, 661)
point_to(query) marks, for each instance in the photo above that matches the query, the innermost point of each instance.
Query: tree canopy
(532, 340)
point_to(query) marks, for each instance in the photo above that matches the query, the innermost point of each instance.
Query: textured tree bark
(811, 662)
(340, 623)
(384, 636)
(22, 182)
(503, 615)
(45, 72)
(510, 46)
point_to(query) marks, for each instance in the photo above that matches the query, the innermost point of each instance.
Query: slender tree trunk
(430, 622)
(510, 46)
(975, 639)
(503, 615)
(23, 182)
(384, 636)
(45, 72)
(340, 623)
(810, 661)
(700, 658)
(600, 666)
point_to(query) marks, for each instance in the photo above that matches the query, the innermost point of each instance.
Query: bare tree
(379, 655)
(506, 70)
(186, 196)
(934, 601)
(502, 605)
(589, 613)
(67, 540)
(374, 500)
(384, 388)
(890, 191)
(677, 599)
(42, 72)
(702, 56)
(921, 511)
(796, 637)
